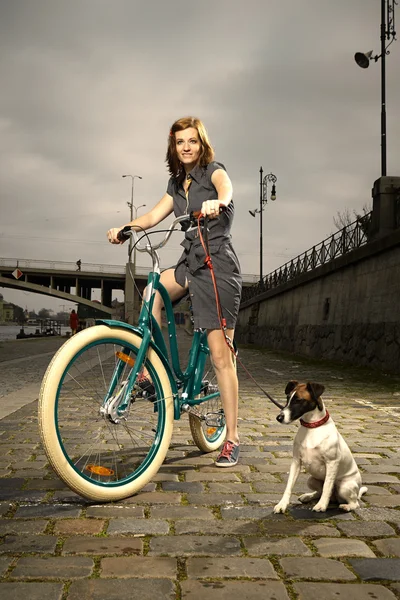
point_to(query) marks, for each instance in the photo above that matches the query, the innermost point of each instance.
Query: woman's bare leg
(174, 290)
(227, 379)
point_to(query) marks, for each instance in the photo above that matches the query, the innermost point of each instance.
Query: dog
(321, 450)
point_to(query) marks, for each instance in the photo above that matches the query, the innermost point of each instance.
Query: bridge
(63, 280)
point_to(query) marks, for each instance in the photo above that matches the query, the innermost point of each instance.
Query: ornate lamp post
(269, 178)
(388, 32)
(131, 207)
(130, 285)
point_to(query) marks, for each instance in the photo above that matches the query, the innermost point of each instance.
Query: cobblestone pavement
(17, 369)
(195, 531)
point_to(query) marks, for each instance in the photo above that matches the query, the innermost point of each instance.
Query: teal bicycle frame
(190, 380)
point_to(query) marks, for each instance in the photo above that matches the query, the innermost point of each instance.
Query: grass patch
(182, 573)
(96, 567)
(66, 590)
(216, 511)
(59, 546)
(146, 544)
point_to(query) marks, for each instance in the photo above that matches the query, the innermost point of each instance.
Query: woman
(73, 322)
(197, 182)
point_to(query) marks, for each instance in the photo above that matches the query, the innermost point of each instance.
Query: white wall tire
(208, 438)
(49, 400)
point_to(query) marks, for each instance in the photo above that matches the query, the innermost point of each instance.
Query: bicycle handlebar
(185, 220)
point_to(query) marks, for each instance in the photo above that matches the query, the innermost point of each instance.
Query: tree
(346, 217)
(19, 314)
(44, 313)
(62, 316)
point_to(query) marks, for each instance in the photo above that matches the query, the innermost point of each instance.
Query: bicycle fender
(112, 323)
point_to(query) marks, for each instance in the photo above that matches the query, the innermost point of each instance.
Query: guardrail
(24, 263)
(346, 240)
(39, 265)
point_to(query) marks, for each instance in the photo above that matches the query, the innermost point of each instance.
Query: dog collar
(315, 423)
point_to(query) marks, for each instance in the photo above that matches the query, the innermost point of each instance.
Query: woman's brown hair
(206, 151)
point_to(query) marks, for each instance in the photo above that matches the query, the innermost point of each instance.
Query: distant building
(86, 313)
(6, 311)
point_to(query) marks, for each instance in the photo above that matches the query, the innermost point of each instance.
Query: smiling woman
(188, 145)
(199, 183)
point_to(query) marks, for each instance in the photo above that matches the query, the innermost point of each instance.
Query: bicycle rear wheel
(99, 456)
(207, 421)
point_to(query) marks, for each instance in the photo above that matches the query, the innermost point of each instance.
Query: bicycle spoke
(108, 449)
(102, 371)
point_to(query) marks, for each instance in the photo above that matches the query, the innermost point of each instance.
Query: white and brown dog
(321, 450)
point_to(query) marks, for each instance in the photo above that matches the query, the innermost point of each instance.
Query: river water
(9, 332)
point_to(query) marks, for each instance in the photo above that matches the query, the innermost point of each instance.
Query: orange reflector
(211, 430)
(130, 361)
(98, 470)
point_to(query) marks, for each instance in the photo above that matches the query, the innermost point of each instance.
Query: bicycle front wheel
(100, 456)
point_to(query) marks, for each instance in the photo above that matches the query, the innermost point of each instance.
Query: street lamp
(131, 207)
(363, 60)
(130, 241)
(270, 177)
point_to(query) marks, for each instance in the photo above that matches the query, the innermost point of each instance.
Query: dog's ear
(316, 390)
(290, 387)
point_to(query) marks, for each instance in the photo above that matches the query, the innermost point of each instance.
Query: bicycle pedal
(208, 388)
(212, 389)
(215, 419)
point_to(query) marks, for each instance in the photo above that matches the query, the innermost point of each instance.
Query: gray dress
(191, 267)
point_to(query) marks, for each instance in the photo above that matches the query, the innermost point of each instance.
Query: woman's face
(188, 147)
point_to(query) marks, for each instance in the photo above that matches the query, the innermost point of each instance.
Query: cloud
(90, 89)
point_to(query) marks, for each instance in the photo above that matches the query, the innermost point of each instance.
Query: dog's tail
(362, 491)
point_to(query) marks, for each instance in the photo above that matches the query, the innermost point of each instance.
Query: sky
(90, 88)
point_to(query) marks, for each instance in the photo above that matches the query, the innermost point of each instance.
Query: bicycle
(105, 433)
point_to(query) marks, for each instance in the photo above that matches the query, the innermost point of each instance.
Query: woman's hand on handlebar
(211, 208)
(112, 235)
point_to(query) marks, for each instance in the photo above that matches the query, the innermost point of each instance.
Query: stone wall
(348, 309)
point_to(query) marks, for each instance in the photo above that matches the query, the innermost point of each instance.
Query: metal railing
(346, 240)
(43, 265)
(39, 265)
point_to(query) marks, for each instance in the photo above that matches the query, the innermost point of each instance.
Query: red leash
(208, 262)
(222, 320)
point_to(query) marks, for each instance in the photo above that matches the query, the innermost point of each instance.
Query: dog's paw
(349, 507)
(304, 498)
(320, 507)
(280, 507)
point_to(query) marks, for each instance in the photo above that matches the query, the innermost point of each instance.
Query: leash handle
(197, 214)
